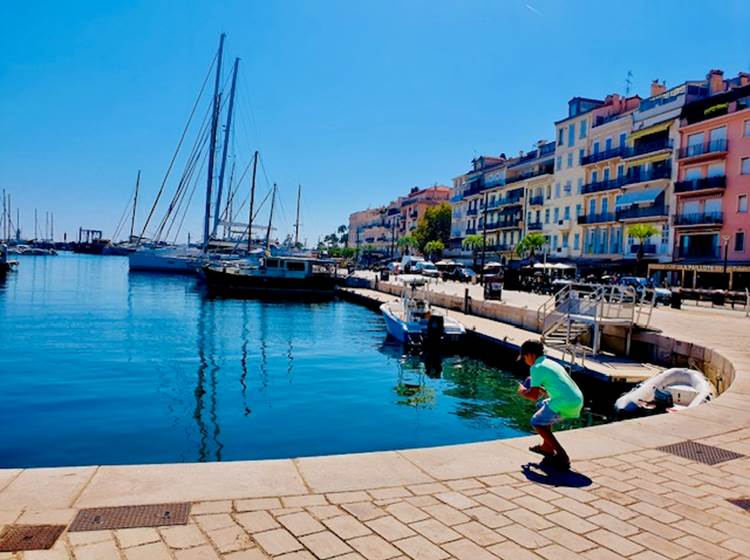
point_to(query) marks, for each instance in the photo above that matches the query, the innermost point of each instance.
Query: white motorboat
(672, 390)
(413, 321)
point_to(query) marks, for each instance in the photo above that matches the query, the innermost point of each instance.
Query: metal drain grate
(743, 503)
(29, 537)
(128, 517)
(706, 454)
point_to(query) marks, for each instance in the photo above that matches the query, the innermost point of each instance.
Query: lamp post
(726, 238)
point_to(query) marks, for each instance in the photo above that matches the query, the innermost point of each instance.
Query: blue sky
(357, 101)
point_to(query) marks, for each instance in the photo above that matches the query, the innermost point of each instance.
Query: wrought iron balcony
(472, 211)
(546, 170)
(471, 230)
(600, 186)
(644, 148)
(599, 218)
(699, 219)
(605, 155)
(702, 184)
(635, 212)
(648, 248)
(715, 147)
(534, 226)
(636, 175)
(536, 200)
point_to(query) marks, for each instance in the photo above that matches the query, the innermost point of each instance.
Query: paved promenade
(625, 499)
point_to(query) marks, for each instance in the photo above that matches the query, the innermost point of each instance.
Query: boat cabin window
(295, 266)
(272, 263)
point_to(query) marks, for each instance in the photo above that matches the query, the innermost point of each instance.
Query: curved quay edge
(342, 475)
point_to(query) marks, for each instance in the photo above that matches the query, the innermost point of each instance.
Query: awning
(650, 130)
(649, 159)
(646, 196)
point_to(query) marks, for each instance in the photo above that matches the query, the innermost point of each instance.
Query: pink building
(711, 221)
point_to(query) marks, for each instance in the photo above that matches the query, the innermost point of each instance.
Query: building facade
(711, 217)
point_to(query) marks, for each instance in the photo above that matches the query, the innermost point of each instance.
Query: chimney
(658, 88)
(744, 78)
(715, 80)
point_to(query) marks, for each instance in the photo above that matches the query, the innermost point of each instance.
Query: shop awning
(650, 130)
(646, 196)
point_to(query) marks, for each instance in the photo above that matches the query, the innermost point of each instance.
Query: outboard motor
(435, 330)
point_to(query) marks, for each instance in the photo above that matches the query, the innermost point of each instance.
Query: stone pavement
(626, 498)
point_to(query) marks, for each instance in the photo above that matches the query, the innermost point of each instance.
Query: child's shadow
(546, 473)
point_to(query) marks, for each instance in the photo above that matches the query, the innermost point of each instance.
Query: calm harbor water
(100, 366)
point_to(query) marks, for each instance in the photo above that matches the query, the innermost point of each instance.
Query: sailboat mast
(52, 226)
(135, 205)
(225, 147)
(212, 144)
(252, 204)
(296, 224)
(36, 221)
(270, 219)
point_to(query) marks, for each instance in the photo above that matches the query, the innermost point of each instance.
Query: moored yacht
(287, 276)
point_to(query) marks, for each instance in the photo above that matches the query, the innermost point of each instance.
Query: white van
(408, 262)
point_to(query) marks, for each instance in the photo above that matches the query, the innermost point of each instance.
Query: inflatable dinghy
(671, 390)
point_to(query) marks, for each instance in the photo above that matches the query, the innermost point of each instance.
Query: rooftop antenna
(628, 83)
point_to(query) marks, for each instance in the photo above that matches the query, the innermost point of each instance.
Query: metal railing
(601, 156)
(704, 183)
(535, 226)
(536, 200)
(641, 212)
(599, 186)
(599, 218)
(716, 146)
(635, 175)
(699, 219)
(644, 148)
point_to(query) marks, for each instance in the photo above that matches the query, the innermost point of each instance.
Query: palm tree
(406, 243)
(530, 244)
(641, 233)
(473, 243)
(434, 247)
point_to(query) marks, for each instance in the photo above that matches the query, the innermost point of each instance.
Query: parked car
(462, 274)
(426, 268)
(394, 267)
(641, 284)
(408, 262)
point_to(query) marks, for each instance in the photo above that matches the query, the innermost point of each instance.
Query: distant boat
(284, 277)
(6, 265)
(412, 320)
(186, 260)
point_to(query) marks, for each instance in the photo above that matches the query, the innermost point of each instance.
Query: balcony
(472, 211)
(645, 148)
(600, 218)
(505, 201)
(547, 170)
(600, 186)
(501, 224)
(638, 212)
(648, 249)
(699, 219)
(471, 230)
(699, 252)
(536, 200)
(602, 156)
(699, 185)
(636, 175)
(697, 151)
(534, 226)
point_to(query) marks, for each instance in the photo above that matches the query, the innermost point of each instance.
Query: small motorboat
(671, 390)
(412, 320)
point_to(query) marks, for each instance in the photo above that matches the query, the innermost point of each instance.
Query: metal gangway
(572, 320)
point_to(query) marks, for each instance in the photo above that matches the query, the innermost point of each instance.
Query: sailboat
(189, 259)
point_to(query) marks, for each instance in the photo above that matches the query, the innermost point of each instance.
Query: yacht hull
(223, 283)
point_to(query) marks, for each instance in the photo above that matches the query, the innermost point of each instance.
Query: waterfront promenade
(627, 498)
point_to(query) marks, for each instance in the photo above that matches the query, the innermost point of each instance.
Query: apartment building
(563, 201)
(711, 219)
(604, 172)
(467, 198)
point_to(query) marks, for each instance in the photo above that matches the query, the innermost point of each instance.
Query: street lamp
(726, 238)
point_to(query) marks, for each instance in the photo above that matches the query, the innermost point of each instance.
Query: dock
(604, 366)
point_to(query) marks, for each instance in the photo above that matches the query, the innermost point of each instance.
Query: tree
(641, 233)
(406, 243)
(435, 225)
(530, 244)
(433, 248)
(473, 243)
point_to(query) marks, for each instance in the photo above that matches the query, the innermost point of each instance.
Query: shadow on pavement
(545, 473)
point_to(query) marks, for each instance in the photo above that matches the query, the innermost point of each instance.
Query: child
(564, 399)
